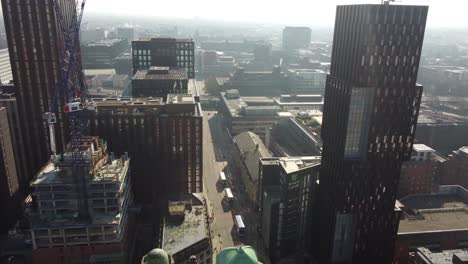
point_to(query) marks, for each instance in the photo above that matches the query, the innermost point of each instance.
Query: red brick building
(454, 171)
(419, 175)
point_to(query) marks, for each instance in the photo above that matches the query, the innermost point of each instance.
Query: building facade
(35, 53)
(165, 52)
(164, 137)
(307, 81)
(82, 212)
(101, 54)
(420, 174)
(369, 120)
(287, 189)
(5, 67)
(454, 170)
(9, 182)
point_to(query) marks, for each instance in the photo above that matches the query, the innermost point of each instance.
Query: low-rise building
(82, 211)
(248, 113)
(287, 189)
(300, 102)
(426, 256)
(186, 232)
(259, 83)
(101, 54)
(307, 81)
(248, 151)
(436, 221)
(289, 137)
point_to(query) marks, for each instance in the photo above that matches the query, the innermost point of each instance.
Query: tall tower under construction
(35, 44)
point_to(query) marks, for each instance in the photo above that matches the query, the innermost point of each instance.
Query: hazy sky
(442, 13)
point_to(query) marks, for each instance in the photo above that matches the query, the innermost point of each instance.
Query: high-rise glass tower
(370, 114)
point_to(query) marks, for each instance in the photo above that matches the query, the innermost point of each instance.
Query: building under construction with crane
(82, 213)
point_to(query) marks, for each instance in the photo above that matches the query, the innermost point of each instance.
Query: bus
(222, 178)
(240, 225)
(229, 195)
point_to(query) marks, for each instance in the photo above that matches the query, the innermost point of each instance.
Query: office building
(296, 38)
(287, 189)
(300, 102)
(123, 64)
(259, 83)
(165, 52)
(35, 54)
(82, 213)
(369, 120)
(262, 52)
(307, 81)
(101, 54)
(248, 113)
(164, 138)
(289, 137)
(158, 81)
(186, 232)
(9, 183)
(5, 67)
(247, 152)
(437, 221)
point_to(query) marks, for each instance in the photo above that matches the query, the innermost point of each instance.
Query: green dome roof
(156, 256)
(240, 255)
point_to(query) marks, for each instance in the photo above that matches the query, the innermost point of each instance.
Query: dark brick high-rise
(34, 43)
(370, 113)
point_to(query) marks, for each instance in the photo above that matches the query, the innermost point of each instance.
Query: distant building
(442, 131)
(262, 52)
(186, 232)
(288, 137)
(248, 151)
(9, 183)
(265, 83)
(91, 35)
(420, 174)
(123, 63)
(426, 256)
(127, 33)
(101, 54)
(300, 102)
(307, 81)
(165, 52)
(237, 255)
(159, 81)
(248, 113)
(454, 171)
(444, 80)
(164, 137)
(437, 221)
(287, 191)
(296, 38)
(5, 67)
(82, 213)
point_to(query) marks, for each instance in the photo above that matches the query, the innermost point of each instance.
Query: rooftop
(422, 148)
(104, 43)
(442, 257)
(161, 73)
(442, 211)
(293, 164)
(250, 105)
(252, 149)
(164, 40)
(181, 233)
(240, 255)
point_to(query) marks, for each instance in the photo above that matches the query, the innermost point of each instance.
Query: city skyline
(442, 14)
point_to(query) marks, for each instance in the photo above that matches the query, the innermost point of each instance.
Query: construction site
(81, 211)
